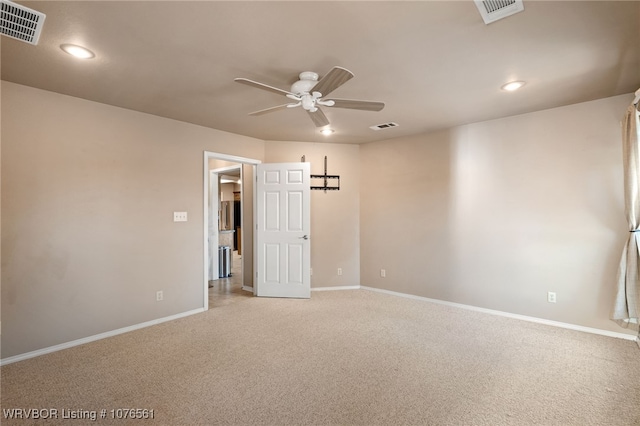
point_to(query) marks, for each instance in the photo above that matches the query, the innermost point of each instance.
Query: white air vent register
(492, 10)
(384, 126)
(20, 23)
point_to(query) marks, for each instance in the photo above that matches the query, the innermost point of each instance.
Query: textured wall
(495, 214)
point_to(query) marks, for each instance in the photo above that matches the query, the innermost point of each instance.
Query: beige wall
(335, 230)
(492, 214)
(226, 191)
(496, 214)
(88, 195)
(247, 224)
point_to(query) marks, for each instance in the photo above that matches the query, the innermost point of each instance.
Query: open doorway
(226, 283)
(229, 211)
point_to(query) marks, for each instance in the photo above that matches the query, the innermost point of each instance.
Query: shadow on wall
(406, 214)
(498, 213)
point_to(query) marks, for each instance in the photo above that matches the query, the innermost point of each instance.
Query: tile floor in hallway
(228, 290)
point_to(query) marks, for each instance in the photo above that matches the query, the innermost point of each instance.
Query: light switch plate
(179, 216)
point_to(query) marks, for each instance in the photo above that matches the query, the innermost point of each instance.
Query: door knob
(304, 237)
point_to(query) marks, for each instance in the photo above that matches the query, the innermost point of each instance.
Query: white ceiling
(434, 64)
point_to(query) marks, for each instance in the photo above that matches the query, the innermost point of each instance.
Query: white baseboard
(100, 336)
(510, 315)
(247, 288)
(93, 338)
(344, 287)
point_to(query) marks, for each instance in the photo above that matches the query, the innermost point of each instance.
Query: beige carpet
(344, 357)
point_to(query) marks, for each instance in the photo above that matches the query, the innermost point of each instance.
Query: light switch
(179, 216)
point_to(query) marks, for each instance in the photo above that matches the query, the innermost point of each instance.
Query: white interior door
(282, 230)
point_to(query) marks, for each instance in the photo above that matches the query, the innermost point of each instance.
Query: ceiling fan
(309, 93)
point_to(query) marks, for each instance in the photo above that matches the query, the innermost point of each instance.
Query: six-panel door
(283, 229)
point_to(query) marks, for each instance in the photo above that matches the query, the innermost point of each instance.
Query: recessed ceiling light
(326, 132)
(77, 51)
(513, 85)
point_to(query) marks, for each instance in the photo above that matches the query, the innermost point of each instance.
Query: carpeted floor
(341, 358)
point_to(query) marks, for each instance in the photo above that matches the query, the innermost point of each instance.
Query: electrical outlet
(339, 271)
(551, 297)
(383, 273)
(179, 216)
(159, 296)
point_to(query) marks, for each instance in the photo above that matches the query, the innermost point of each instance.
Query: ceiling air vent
(384, 126)
(492, 10)
(19, 22)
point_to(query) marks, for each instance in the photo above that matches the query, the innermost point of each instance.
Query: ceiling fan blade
(334, 79)
(318, 118)
(263, 86)
(354, 104)
(272, 109)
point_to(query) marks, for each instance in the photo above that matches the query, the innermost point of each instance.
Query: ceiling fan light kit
(309, 93)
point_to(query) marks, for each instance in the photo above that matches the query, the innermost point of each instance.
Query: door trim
(205, 197)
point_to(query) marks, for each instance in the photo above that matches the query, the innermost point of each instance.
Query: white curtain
(626, 308)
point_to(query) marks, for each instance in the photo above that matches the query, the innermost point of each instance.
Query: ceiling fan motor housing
(308, 79)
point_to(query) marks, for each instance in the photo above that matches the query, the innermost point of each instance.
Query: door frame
(205, 197)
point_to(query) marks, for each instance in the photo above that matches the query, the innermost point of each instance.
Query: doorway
(226, 283)
(224, 175)
(282, 267)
